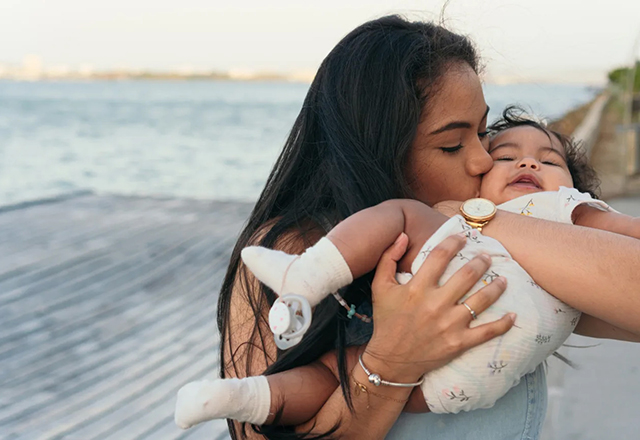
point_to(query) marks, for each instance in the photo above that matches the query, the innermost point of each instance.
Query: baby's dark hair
(585, 178)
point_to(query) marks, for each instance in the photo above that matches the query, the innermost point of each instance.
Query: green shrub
(619, 76)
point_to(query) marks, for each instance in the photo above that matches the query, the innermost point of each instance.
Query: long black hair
(346, 152)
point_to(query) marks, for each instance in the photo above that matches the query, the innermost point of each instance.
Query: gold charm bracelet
(360, 388)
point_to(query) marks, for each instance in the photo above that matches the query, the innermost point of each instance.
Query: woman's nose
(529, 162)
(479, 163)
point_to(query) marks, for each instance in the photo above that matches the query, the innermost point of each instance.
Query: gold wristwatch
(478, 212)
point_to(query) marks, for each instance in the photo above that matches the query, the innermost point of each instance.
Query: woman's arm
(585, 215)
(591, 270)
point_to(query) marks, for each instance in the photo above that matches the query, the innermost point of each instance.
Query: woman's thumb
(387, 266)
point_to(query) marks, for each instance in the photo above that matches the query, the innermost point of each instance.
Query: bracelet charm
(375, 379)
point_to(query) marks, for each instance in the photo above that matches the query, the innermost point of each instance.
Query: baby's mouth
(526, 181)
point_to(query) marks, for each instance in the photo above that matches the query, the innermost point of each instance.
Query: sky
(519, 40)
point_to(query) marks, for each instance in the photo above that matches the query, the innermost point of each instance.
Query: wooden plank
(108, 307)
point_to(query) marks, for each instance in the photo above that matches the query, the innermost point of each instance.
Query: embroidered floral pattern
(462, 257)
(534, 284)
(543, 339)
(460, 396)
(489, 277)
(496, 367)
(423, 254)
(469, 232)
(527, 209)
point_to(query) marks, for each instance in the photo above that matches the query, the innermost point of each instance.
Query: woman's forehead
(457, 97)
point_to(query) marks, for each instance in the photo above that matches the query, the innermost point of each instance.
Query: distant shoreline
(302, 78)
(161, 76)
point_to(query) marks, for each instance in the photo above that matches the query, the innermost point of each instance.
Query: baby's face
(525, 160)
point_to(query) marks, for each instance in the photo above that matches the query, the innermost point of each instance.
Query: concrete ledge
(587, 132)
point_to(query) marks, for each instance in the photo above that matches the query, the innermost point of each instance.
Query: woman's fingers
(466, 277)
(485, 332)
(386, 268)
(483, 298)
(437, 261)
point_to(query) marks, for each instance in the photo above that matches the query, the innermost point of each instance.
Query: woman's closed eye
(452, 150)
(482, 135)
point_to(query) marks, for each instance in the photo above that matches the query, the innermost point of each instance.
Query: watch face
(479, 208)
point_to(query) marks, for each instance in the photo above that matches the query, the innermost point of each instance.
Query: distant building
(31, 68)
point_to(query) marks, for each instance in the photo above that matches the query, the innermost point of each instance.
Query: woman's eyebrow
(458, 124)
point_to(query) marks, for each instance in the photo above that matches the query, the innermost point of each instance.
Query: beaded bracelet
(351, 310)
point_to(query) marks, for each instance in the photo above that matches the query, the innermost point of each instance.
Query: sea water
(212, 140)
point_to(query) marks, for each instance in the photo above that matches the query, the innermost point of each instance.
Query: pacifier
(289, 319)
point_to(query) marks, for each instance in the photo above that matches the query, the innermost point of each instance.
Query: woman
(397, 110)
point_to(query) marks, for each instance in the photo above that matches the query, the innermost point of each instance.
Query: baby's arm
(585, 215)
(350, 250)
(365, 235)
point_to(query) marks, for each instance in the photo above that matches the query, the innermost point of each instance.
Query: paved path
(600, 400)
(107, 307)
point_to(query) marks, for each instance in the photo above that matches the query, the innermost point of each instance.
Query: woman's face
(449, 154)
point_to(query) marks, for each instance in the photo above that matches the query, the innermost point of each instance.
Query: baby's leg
(296, 394)
(350, 250)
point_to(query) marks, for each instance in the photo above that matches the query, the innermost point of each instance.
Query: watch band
(477, 225)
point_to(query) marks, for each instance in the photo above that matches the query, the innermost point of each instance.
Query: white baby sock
(319, 271)
(244, 400)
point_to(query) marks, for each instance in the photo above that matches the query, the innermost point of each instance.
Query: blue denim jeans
(516, 416)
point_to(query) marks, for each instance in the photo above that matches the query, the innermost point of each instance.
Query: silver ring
(473, 314)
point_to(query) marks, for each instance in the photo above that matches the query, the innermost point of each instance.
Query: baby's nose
(529, 162)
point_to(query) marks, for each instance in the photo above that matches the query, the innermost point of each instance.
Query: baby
(534, 174)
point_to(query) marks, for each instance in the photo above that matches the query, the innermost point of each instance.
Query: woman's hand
(419, 326)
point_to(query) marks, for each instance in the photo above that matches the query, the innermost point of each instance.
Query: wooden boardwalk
(107, 307)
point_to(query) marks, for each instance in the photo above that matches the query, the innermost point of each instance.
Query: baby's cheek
(489, 189)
